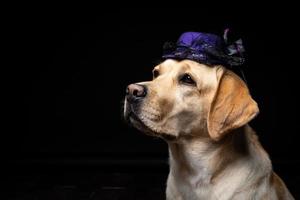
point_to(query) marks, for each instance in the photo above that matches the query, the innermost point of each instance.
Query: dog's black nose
(135, 92)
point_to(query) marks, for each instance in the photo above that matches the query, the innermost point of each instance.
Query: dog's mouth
(135, 121)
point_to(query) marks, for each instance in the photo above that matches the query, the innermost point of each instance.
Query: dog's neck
(202, 160)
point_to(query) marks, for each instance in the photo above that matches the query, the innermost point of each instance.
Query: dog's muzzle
(135, 94)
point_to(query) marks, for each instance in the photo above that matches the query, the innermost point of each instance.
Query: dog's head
(188, 99)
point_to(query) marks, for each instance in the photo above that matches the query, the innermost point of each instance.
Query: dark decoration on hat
(206, 48)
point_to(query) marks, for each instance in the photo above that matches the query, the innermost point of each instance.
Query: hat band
(209, 56)
(183, 52)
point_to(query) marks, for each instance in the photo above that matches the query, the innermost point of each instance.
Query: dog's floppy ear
(232, 106)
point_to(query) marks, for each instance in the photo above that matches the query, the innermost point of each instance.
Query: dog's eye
(187, 79)
(155, 73)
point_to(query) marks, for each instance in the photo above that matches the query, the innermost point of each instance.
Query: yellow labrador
(202, 112)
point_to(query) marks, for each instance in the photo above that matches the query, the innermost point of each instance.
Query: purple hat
(206, 48)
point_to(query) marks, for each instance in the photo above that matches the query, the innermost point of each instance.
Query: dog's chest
(191, 188)
(193, 181)
(202, 191)
(190, 176)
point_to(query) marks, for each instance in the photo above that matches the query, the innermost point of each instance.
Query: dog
(202, 112)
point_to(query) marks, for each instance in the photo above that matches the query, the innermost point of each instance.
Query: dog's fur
(214, 153)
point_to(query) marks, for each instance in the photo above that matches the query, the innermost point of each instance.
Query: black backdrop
(70, 68)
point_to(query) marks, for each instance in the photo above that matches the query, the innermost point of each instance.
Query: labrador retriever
(202, 112)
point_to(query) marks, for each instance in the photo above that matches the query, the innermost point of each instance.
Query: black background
(69, 69)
